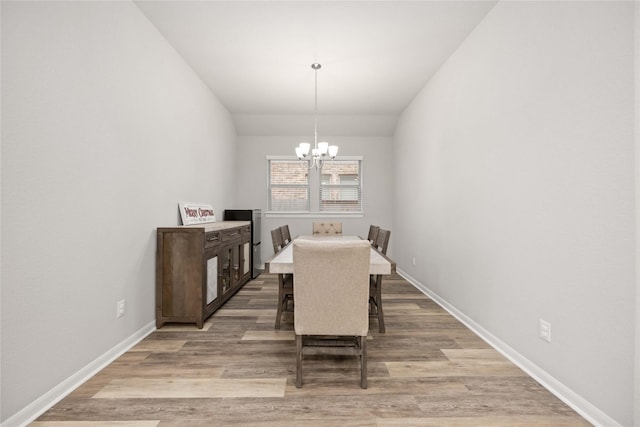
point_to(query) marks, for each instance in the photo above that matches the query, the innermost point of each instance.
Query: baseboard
(592, 414)
(56, 394)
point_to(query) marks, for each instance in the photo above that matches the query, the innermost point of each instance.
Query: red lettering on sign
(205, 212)
(191, 213)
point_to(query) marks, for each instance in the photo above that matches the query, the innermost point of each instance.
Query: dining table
(282, 261)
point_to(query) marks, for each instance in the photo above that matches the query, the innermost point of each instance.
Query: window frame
(314, 193)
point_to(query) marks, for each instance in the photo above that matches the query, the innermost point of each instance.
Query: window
(340, 189)
(288, 186)
(336, 188)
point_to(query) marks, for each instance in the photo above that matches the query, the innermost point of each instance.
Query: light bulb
(333, 151)
(304, 148)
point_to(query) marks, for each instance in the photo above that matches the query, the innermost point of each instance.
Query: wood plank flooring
(426, 370)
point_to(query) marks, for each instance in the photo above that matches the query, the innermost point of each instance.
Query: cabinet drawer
(227, 235)
(211, 238)
(246, 230)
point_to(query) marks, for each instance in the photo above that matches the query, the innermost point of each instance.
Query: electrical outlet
(120, 308)
(545, 330)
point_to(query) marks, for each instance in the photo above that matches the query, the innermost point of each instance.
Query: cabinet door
(246, 258)
(246, 261)
(236, 264)
(224, 270)
(212, 280)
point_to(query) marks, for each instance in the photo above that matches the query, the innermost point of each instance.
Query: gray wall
(522, 148)
(104, 130)
(377, 173)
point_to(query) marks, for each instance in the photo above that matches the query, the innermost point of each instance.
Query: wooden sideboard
(198, 268)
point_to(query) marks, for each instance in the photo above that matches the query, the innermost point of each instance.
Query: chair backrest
(382, 241)
(331, 287)
(286, 235)
(276, 239)
(327, 228)
(373, 233)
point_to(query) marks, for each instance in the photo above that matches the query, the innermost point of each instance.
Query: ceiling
(256, 57)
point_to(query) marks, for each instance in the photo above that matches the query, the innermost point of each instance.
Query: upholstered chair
(331, 292)
(327, 228)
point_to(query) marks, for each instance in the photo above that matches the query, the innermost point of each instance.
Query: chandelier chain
(315, 111)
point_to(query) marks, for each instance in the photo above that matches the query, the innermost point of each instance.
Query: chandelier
(320, 150)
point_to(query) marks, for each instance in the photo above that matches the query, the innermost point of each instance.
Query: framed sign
(196, 213)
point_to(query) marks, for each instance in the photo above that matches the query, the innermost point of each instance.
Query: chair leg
(363, 362)
(379, 306)
(278, 315)
(298, 361)
(375, 303)
(280, 301)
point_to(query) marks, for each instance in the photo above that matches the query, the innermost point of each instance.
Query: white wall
(105, 129)
(377, 173)
(514, 190)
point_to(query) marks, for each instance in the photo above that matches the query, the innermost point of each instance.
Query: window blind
(341, 186)
(288, 186)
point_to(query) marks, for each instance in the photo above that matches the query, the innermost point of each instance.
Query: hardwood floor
(426, 370)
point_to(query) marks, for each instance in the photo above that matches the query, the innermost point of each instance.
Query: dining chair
(286, 235)
(285, 281)
(375, 282)
(373, 233)
(331, 292)
(276, 240)
(285, 297)
(327, 228)
(382, 240)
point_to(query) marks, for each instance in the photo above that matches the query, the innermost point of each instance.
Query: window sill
(276, 214)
